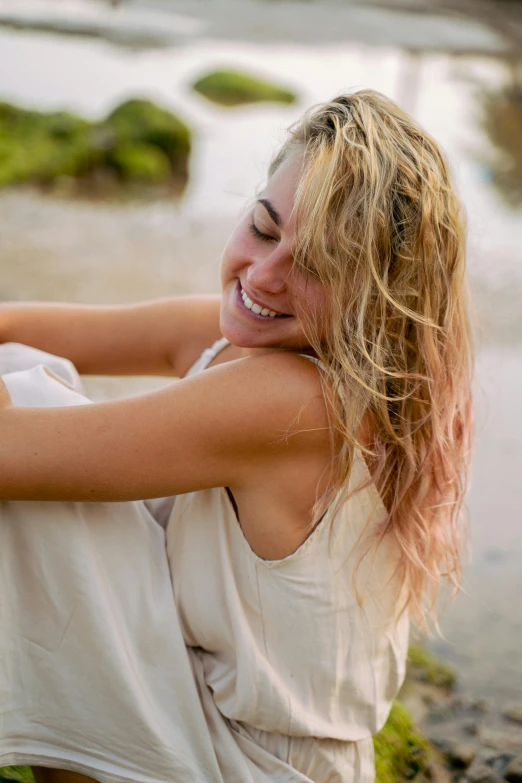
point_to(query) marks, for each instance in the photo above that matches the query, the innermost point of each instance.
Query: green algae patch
(137, 145)
(139, 122)
(17, 774)
(232, 88)
(401, 752)
(141, 163)
(424, 667)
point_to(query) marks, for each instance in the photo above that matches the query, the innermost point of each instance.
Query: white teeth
(256, 308)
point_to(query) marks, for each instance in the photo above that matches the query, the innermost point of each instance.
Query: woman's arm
(218, 428)
(149, 338)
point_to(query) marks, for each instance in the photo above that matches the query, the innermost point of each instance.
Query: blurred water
(51, 248)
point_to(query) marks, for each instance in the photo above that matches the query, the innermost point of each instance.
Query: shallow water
(52, 248)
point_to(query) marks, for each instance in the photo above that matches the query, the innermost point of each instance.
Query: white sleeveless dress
(171, 652)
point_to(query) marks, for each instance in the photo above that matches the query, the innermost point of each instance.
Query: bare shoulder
(279, 391)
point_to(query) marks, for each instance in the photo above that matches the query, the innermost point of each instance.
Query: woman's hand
(221, 427)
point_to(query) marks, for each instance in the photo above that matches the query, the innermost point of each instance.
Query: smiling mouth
(259, 309)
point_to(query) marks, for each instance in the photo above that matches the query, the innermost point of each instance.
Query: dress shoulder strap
(313, 359)
(210, 353)
(207, 356)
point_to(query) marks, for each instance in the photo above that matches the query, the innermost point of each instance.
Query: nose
(269, 274)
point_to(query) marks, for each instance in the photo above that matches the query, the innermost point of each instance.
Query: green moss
(138, 142)
(19, 774)
(141, 163)
(231, 88)
(400, 751)
(140, 121)
(424, 667)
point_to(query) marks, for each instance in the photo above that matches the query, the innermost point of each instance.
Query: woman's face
(255, 271)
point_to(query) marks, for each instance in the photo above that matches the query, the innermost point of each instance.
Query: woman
(318, 465)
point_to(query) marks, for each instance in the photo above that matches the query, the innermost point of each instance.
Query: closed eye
(259, 234)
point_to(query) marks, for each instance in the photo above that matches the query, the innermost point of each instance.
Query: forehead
(281, 188)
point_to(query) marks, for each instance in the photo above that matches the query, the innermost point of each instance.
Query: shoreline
(474, 742)
(417, 25)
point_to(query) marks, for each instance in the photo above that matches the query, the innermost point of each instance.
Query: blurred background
(101, 201)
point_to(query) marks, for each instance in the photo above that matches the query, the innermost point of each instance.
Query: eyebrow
(274, 214)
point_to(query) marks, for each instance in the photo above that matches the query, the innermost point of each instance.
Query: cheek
(236, 252)
(318, 298)
(311, 297)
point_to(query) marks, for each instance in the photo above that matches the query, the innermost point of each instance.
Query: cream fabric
(133, 653)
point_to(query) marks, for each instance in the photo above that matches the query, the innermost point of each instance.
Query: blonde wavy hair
(380, 225)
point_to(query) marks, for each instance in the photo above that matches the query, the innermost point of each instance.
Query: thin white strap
(207, 356)
(210, 353)
(313, 359)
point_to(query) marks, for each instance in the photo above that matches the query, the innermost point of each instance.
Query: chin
(241, 338)
(234, 332)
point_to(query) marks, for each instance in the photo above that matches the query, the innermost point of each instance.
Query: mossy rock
(401, 752)
(424, 667)
(142, 122)
(58, 125)
(42, 159)
(138, 143)
(18, 774)
(141, 163)
(232, 88)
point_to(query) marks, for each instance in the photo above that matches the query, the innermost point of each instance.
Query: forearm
(119, 340)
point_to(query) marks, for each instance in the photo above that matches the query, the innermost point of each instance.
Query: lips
(258, 308)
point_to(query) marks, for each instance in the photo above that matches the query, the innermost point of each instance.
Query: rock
(443, 743)
(480, 705)
(232, 88)
(499, 762)
(138, 143)
(440, 714)
(513, 713)
(436, 771)
(424, 667)
(434, 699)
(461, 755)
(470, 726)
(142, 122)
(460, 702)
(513, 771)
(492, 738)
(141, 163)
(496, 762)
(479, 772)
